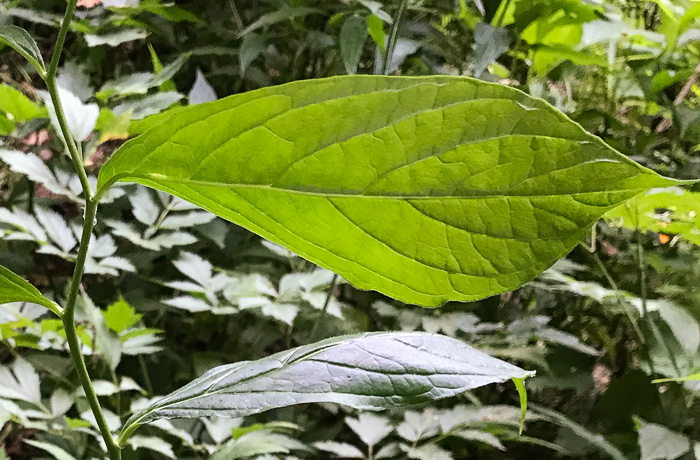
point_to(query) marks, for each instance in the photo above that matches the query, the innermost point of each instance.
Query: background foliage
(172, 291)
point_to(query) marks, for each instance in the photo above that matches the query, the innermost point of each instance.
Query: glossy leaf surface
(426, 189)
(14, 288)
(369, 371)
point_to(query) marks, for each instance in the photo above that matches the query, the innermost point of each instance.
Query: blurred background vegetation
(171, 290)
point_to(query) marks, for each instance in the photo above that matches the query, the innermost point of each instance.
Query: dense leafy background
(172, 291)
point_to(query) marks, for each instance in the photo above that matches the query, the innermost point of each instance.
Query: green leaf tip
(454, 189)
(13, 288)
(21, 41)
(522, 393)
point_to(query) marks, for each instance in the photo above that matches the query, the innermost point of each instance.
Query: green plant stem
(50, 79)
(76, 157)
(393, 36)
(625, 306)
(88, 225)
(72, 333)
(324, 311)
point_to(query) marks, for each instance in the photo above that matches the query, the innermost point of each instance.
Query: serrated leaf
(191, 219)
(56, 228)
(115, 38)
(120, 316)
(81, 118)
(370, 428)
(659, 443)
(456, 189)
(144, 206)
(369, 371)
(20, 40)
(13, 288)
(340, 449)
(257, 443)
(489, 43)
(20, 381)
(35, 169)
(149, 105)
(353, 36)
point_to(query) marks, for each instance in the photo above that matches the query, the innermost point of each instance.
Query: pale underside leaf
(369, 371)
(426, 189)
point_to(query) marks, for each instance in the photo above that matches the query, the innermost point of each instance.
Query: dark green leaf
(282, 14)
(455, 189)
(251, 47)
(353, 35)
(369, 371)
(20, 40)
(15, 289)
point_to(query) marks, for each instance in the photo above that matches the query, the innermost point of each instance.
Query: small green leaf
(520, 385)
(20, 40)
(375, 27)
(687, 378)
(252, 46)
(15, 289)
(454, 188)
(369, 371)
(120, 316)
(353, 35)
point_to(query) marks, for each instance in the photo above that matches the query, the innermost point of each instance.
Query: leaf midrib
(159, 178)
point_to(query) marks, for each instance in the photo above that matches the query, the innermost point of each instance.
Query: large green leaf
(15, 289)
(427, 189)
(367, 371)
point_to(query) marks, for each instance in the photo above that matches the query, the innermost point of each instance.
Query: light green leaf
(687, 378)
(520, 385)
(15, 289)
(18, 105)
(120, 316)
(353, 35)
(375, 27)
(20, 40)
(368, 371)
(455, 189)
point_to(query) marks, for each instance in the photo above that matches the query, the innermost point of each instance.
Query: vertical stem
(645, 311)
(72, 332)
(393, 36)
(90, 213)
(320, 318)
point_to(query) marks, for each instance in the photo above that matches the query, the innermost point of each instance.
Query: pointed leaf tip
(21, 41)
